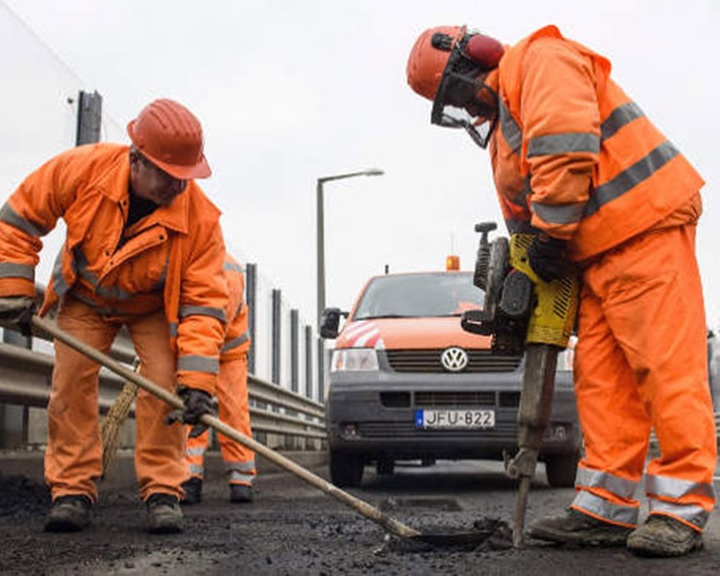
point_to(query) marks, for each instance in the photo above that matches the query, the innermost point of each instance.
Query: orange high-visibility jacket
(574, 156)
(174, 257)
(237, 338)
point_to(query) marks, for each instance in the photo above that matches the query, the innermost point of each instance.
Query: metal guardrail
(26, 376)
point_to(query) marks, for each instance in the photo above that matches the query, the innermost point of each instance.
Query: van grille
(437, 399)
(503, 429)
(473, 399)
(428, 361)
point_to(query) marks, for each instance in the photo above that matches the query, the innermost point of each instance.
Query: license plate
(454, 419)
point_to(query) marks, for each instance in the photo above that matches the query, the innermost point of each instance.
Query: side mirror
(330, 322)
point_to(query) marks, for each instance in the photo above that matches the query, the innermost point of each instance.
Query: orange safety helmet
(433, 49)
(427, 62)
(171, 137)
(449, 65)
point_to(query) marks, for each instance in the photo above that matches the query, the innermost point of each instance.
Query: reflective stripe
(560, 213)
(233, 267)
(510, 129)
(603, 509)
(676, 488)
(521, 199)
(248, 466)
(587, 478)
(621, 116)
(186, 311)
(239, 308)
(695, 515)
(112, 292)
(198, 364)
(584, 142)
(12, 270)
(631, 176)
(196, 470)
(238, 478)
(235, 342)
(173, 329)
(101, 310)
(9, 216)
(563, 144)
(195, 451)
(61, 287)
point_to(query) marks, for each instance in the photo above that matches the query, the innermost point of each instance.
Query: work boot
(664, 536)
(578, 528)
(240, 493)
(193, 491)
(163, 514)
(69, 513)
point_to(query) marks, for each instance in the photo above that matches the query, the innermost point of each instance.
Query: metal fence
(280, 417)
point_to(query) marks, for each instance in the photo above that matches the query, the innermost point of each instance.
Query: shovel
(391, 525)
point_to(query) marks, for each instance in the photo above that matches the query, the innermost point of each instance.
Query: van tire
(346, 469)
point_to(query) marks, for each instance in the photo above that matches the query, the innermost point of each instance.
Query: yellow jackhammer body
(525, 315)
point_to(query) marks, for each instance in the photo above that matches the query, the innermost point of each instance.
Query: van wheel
(385, 467)
(561, 470)
(346, 469)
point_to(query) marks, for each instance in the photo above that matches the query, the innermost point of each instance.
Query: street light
(321, 234)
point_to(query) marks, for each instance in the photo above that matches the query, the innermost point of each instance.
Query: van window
(419, 295)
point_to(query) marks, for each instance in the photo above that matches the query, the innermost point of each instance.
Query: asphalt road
(293, 528)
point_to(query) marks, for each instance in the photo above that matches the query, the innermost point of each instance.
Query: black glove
(18, 311)
(197, 402)
(547, 258)
(199, 429)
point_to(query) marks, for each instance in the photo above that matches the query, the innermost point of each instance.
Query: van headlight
(354, 359)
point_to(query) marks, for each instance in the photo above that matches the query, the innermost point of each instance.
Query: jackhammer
(524, 315)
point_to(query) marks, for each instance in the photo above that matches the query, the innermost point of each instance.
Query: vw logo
(454, 359)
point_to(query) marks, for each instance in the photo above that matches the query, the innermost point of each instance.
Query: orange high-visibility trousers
(234, 410)
(73, 458)
(641, 365)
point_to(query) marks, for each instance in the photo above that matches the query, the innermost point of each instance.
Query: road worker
(232, 400)
(143, 250)
(577, 163)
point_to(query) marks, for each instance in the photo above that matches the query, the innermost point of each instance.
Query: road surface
(294, 529)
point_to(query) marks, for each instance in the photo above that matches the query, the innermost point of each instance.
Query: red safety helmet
(171, 137)
(448, 65)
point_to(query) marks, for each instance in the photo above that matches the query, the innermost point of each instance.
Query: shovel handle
(371, 512)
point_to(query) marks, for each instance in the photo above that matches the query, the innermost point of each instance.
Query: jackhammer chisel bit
(533, 416)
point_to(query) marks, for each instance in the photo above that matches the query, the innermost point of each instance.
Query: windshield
(419, 295)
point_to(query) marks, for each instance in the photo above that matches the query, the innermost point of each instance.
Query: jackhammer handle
(485, 227)
(390, 524)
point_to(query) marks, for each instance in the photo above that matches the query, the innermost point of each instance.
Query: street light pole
(321, 233)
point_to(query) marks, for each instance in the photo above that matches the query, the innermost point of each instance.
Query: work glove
(18, 311)
(199, 429)
(547, 258)
(197, 402)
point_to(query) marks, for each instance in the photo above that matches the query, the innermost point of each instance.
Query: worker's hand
(546, 256)
(199, 429)
(197, 402)
(18, 310)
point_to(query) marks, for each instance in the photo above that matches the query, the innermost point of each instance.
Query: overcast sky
(290, 91)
